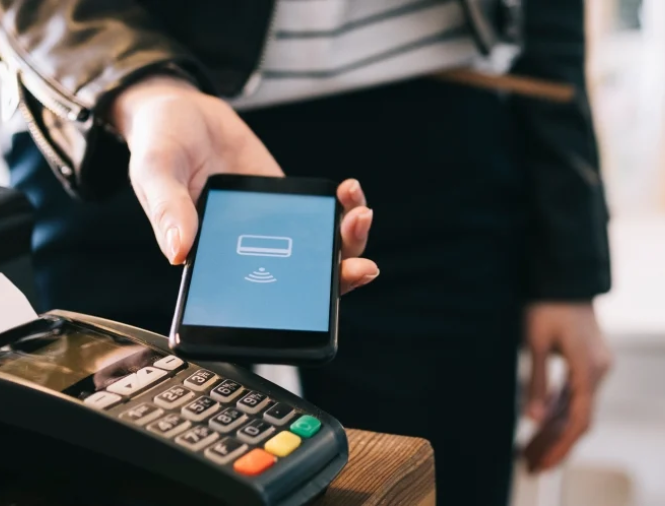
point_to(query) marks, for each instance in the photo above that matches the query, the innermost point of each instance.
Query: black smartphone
(261, 284)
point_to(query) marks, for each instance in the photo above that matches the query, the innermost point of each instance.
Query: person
(487, 211)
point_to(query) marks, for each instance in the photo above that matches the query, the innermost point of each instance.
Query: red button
(255, 462)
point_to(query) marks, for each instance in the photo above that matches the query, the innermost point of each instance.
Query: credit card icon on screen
(264, 246)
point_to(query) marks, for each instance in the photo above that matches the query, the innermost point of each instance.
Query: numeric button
(253, 402)
(174, 397)
(255, 432)
(228, 420)
(200, 409)
(226, 391)
(142, 414)
(197, 438)
(226, 450)
(169, 426)
(201, 380)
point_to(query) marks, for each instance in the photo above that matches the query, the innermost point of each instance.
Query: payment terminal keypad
(228, 423)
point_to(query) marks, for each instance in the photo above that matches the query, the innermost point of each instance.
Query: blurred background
(622, 461)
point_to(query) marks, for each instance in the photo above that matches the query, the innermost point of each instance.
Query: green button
(306, 426)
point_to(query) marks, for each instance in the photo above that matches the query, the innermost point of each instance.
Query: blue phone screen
(264, 261)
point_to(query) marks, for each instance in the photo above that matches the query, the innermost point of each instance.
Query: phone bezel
(255, 344)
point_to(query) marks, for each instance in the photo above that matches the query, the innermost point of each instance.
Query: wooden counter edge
(384, 469)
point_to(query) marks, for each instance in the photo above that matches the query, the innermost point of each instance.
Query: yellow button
(283, 444)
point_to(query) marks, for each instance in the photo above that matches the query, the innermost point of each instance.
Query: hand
(571, 330)
(179, 136)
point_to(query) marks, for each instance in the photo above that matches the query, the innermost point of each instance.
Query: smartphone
(261, 284)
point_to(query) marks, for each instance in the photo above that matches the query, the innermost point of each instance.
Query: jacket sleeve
(67, 59)
(569, 254)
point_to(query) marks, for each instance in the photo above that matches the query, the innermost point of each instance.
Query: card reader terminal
(107, 406)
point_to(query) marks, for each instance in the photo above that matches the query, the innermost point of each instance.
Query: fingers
(582, 386)
(167, 203)
(355, 231)
(538, 391)
(357, 219)
(357, 272)
(351, 195)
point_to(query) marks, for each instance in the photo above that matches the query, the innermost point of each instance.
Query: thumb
(537, 395)
(166, 201)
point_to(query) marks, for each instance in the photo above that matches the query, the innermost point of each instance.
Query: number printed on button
(201, 380)
(255, 431)
(228, 420)
(226, 391)
(201, 408)
(253, 402)
(174, 397)
(197, 438)
(169, 426)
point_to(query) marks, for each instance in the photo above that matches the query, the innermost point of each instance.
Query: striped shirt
(322, 47)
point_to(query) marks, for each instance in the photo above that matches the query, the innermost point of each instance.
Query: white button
(170, 363)
(174, 397)
(149, 375)
(200, 409)
(201, 380)
(142, 414)
(169, 426)
(128, 385)
(225, 451)
(197, 438)
(102, 400)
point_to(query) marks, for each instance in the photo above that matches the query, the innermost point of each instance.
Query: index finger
(582, 390)
(351, 195)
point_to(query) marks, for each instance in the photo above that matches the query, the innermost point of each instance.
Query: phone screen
(264, 261)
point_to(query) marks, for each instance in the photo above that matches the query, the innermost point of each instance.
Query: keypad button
(169, 426)
(254, 463)
(174, 397)
(306, 426)
(255, 432)
(226, 391)
(283, 444)
(197, 438)
(227, 450)
(148, 376)
(200, 409)
(253, 402)
(201, 380)
(102, 400)
(129, 385)
(228, 420)
(142, 414)
(170, 363)
(279, 414)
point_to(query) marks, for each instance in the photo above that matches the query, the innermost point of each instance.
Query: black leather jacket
(70, 57)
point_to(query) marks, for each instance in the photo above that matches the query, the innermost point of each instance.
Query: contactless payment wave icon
(261, 276)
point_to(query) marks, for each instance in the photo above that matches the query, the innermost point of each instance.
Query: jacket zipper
(255, 78)
(47, 150)
(54, 101)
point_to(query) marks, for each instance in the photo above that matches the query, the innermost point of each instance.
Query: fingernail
(368, 278)
(364, 222)
(173, 242)
(355, 192)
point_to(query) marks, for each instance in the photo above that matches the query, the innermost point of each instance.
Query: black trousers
(429, 349)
